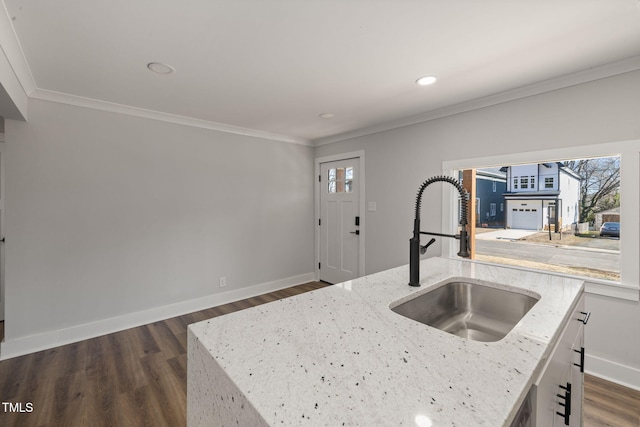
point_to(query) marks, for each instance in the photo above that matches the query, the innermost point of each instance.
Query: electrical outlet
(223, 281)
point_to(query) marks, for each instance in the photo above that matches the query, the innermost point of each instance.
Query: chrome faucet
(415, 249)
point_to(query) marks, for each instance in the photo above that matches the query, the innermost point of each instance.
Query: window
(494, 186)
(515, 182)
(548, 182)
(501, 207)
(549, 222)
(340, 180)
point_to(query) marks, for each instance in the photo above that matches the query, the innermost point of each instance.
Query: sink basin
(472, 310)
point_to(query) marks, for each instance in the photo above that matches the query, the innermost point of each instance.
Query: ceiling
(271, 67)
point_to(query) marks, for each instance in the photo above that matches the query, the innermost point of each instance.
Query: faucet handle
(423, 249)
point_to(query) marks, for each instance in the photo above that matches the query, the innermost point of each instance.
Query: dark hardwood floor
(138, 377)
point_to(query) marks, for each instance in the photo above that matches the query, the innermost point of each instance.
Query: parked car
(610, 229)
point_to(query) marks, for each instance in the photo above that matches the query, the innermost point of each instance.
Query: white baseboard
(624, 375)
(55, 338)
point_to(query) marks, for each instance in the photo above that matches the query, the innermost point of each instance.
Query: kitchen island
(339, 356)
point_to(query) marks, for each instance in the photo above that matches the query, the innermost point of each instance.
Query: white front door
(339, 220)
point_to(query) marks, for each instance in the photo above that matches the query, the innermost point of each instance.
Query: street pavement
(505, 234)
(504, 243)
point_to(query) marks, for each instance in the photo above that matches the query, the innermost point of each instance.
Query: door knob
(355, 232)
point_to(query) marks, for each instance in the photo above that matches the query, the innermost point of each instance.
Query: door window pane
(340, 180)
(349, 173)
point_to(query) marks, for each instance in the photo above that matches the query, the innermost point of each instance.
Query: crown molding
(16, 60)
(14, 53)
(591, 74)
(78, 101)
(17, 81)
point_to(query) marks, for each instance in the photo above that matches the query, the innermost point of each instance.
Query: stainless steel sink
(475, 311)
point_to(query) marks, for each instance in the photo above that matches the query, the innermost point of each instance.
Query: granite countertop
(339, 356)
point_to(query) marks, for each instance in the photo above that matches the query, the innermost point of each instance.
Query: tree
(600, 186)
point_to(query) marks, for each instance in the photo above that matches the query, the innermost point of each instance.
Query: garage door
(525, 219)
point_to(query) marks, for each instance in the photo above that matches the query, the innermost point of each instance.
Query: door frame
(363, 222)
(3, 232)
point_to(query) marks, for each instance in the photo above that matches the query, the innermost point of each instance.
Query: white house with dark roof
(541, 194)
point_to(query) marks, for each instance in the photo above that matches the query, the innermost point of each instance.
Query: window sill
(592, 285)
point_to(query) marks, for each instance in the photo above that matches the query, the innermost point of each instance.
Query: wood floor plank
(178, 324)
(72, 401)
(179, 368)
(165, 389)
(610, 405)
(130, 359)
(146, 342)
(13, 374)
(139, 408)
(166, 339)
(138, 377)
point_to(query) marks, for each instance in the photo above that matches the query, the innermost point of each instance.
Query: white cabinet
(557, 394)
(577, 378)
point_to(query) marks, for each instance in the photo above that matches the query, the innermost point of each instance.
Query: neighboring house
(541, 194)
(491, 184)
(611, 215)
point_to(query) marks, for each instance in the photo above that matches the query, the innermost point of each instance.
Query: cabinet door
(545, 395)
(577, 381)
(559, 371)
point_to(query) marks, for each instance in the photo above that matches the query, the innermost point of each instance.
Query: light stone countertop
(339, 356)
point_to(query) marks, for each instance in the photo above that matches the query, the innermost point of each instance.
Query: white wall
(570, 194)
(399, 160)
(526, 171)
(114, 220)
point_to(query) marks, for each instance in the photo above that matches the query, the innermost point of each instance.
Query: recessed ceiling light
(426, 80)
(160, 68)
(326, 115)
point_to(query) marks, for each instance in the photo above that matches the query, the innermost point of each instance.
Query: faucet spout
(415, 249)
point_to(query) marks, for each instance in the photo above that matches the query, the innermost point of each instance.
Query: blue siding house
(491, 184)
